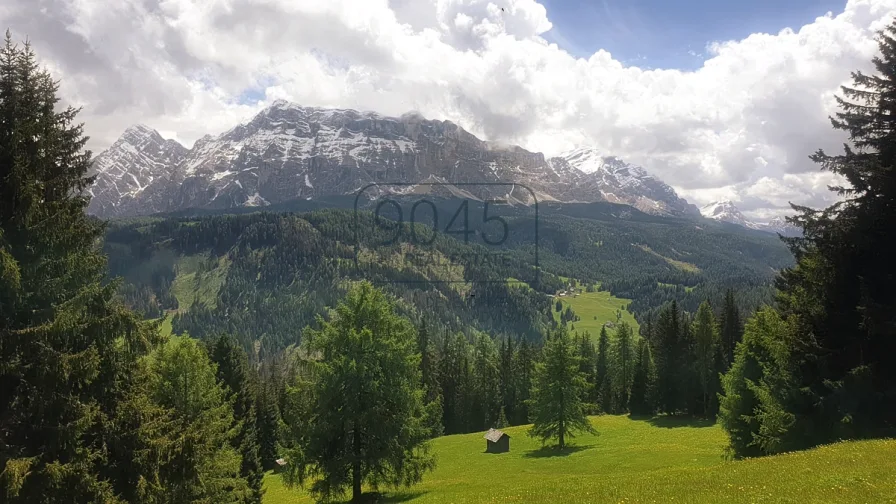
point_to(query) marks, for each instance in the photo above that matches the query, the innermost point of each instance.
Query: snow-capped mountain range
(289, 152)
(727, 211)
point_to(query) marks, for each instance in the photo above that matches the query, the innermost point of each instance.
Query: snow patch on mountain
(621, 182)
(288, 151)
(727, 211)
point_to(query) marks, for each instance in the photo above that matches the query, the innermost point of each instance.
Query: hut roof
(494, 435)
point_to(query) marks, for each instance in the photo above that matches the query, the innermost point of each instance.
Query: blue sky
(660, 33)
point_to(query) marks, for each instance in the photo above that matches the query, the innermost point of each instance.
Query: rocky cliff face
(288, 152)
(619, 182)
(138, 160)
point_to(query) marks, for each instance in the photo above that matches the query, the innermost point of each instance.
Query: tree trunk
(356, 465)
(562, 432)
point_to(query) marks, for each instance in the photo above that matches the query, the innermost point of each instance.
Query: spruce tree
(667, 353)
(624, 354)
(508, 377)
(587, 354)
(603, 388)
(523, 366)
(706, 342)
(558, 388)
(429, 379)
(428, 363)
(641, 402)
(757, 389)
(202, 465)
(268, 426)
(234, 374)
(730, 330)
(690, 376)
(841, 290)
(487, 395)
(68, 352)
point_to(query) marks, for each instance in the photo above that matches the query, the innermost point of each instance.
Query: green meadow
(601, 304)
(661, 460)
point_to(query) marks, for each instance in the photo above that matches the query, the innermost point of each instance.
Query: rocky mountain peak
(620, 182)
(134, 162)
(724, 210)
(727, 211)
(288, 151)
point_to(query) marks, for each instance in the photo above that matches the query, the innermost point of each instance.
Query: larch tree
(367, 422)
(556, 406)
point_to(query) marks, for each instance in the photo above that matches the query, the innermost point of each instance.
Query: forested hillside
(264, 276)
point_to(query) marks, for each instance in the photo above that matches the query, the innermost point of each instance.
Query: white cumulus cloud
(740, 127)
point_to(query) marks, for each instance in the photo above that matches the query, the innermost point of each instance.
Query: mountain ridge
(287, 151)
(727, 211)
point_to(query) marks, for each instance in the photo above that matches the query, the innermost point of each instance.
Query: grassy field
(684, 266)
(165, 328)
(193, 284)
(602, 305)
(660, 460)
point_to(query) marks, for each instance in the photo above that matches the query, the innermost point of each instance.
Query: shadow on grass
(553, 451)
(672, 422)
(388, 498)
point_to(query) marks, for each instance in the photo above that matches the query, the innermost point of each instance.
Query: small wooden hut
(281, 464)
(497, 441)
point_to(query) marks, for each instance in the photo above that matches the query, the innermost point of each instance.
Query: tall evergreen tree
(524, 365)
(752, 411)
(641, 401)
(557, 393)
(507, 377)
(268, 425)
(667, 355)
(68, 352)
(429, 379)
(202, 465)
(233, 372)
(602, 385)
(487, 396)
(730, 330)
(624, 354)
(452, 362)
(689, 377)
(706, 345)
(646, 329)
(368, 422)
(428, 362)
(841, 289)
